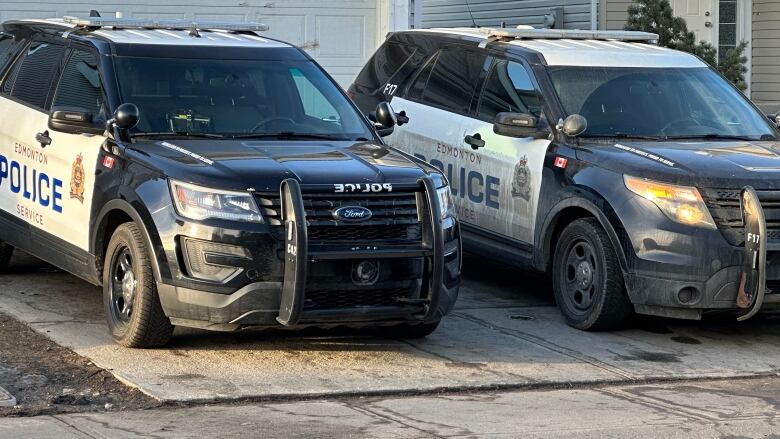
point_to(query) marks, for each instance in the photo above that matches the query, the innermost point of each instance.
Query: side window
(34, 78)
(80, 84)
(9, 47)
(452, 79)
(509, 89)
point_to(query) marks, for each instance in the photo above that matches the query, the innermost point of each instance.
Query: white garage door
(339, 34)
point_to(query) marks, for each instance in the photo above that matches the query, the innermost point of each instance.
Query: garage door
(339, 34)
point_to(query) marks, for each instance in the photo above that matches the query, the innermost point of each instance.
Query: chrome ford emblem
(352, 213)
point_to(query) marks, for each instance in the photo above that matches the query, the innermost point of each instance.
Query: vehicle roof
(173, 37)
(582, 52)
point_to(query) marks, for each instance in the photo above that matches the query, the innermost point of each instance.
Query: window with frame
(452, 79)
(727, 27)
(509, 88)
(79, 85)
(9, 47)
(32, 78)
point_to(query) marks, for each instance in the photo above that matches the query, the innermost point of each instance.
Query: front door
(700, 16)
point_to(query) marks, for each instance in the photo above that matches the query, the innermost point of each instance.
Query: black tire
(6, 253)
(135, 316)
(587, 278)
(408, 330)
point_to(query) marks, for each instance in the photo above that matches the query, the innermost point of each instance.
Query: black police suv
(207, 176)
(635, 175)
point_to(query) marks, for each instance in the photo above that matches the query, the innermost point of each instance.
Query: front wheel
(587, 278)
(135, 316)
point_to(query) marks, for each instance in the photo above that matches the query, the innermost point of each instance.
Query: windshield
(237, 98)
(655, 102)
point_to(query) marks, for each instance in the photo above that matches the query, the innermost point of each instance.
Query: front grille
(725, 209)
(322, 299)
(394, 217)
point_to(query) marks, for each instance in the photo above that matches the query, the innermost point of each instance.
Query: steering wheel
(679, 121)
(269, 121)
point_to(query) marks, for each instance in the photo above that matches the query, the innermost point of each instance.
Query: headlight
(198, 203)
(681, 204)
(446, 206)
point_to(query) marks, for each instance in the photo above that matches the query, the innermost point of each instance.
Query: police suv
(209, 177)
(635, 175)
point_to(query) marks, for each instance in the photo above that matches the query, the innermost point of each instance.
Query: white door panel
(339, 34)
(50, 188)
(700, 17)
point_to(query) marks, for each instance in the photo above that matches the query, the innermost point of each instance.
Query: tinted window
(34, 78)
(657, 102)
(9, 47)
(80, 84)
(387, 60)
(452, 80)
(509, 89)
(237, 97)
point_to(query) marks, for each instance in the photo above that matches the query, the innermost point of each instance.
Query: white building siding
(766, 54)
(449, 13)
(339, 34)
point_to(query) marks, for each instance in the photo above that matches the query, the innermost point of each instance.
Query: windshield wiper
(621, 135)
(180, 134)
(287, 135)
(720, 136)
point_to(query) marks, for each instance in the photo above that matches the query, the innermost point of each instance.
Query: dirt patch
(47, 378)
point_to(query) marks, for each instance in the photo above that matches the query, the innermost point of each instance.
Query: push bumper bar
(752, 282)
(298, 255)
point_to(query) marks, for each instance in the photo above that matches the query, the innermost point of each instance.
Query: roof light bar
(573, 34)
(138, 23)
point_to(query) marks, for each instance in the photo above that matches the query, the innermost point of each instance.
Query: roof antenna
(94, 13)
(468, 7)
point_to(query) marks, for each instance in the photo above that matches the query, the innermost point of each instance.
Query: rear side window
(9, 47)
(80, 84)
(451, 81)
(33, 80)
(509, 89)
(386, 62)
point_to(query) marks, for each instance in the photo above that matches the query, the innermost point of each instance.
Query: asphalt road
(504, 334)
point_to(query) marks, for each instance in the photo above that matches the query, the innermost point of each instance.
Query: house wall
(613, 14)
(765, 85)
(451, 13)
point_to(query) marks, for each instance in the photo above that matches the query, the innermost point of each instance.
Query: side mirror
(385, 116)
(72, 120)
(774, 118)
(574, 125)
(520, 125)
(126, 116)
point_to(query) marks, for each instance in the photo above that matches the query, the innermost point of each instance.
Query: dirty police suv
(206, 176)
(635, 175)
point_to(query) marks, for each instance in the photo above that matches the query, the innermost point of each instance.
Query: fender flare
(588, 205)
(132, 212)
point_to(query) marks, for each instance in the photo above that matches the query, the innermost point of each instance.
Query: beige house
(723, 23)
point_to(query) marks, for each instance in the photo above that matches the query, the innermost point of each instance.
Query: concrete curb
(6, 399)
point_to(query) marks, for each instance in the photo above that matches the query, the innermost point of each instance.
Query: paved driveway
(505, 333)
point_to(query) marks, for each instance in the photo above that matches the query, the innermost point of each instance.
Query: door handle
(43, 138)
(475, 141)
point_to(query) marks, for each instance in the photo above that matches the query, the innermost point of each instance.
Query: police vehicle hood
(262, 165)
(703, 164)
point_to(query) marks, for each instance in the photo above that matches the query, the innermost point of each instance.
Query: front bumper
(701, 271)
(310, 284)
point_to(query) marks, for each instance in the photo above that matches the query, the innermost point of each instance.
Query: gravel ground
(47, 378)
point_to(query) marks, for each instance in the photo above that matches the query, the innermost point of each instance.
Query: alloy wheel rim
(581, 276)
(124, 284)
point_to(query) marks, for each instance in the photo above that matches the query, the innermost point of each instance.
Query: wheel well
(562, 219)
(110, 223)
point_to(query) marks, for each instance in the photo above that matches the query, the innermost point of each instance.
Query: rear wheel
(135, 316)
(587, 278)
(6, 252)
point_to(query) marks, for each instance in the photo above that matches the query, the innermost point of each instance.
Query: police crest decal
(77, 179)
(521, 182)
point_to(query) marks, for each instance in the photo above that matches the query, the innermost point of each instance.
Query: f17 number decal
(362, 187)
(390, 89)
